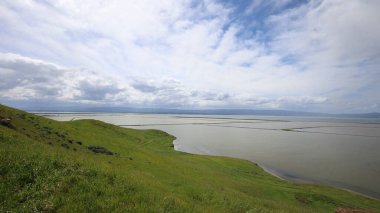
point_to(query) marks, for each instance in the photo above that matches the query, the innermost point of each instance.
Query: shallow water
(334, 151)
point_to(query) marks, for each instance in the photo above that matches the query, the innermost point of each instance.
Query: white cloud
(338, 45)
(320, 55)
(26, 78)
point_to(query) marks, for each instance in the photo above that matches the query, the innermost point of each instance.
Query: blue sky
(315, 55)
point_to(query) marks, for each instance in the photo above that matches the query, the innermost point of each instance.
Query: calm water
(339, 152)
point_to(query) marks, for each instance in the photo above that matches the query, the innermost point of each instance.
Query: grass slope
(39, 173)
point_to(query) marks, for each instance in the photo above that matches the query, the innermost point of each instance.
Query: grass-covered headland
(92, 166)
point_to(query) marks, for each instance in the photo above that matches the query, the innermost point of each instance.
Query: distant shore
(300, 180)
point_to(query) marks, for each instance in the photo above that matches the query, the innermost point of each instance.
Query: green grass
(37, 173)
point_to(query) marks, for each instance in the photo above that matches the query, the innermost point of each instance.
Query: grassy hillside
(45, 165)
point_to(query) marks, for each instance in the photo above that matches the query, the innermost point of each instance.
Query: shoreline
(279, 175)
(299, 180)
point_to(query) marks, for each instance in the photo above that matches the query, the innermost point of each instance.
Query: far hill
(92, 166)
(262, 112)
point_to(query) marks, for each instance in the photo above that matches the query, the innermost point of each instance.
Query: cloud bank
(313, 55)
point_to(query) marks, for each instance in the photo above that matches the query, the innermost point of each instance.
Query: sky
(316, 55)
